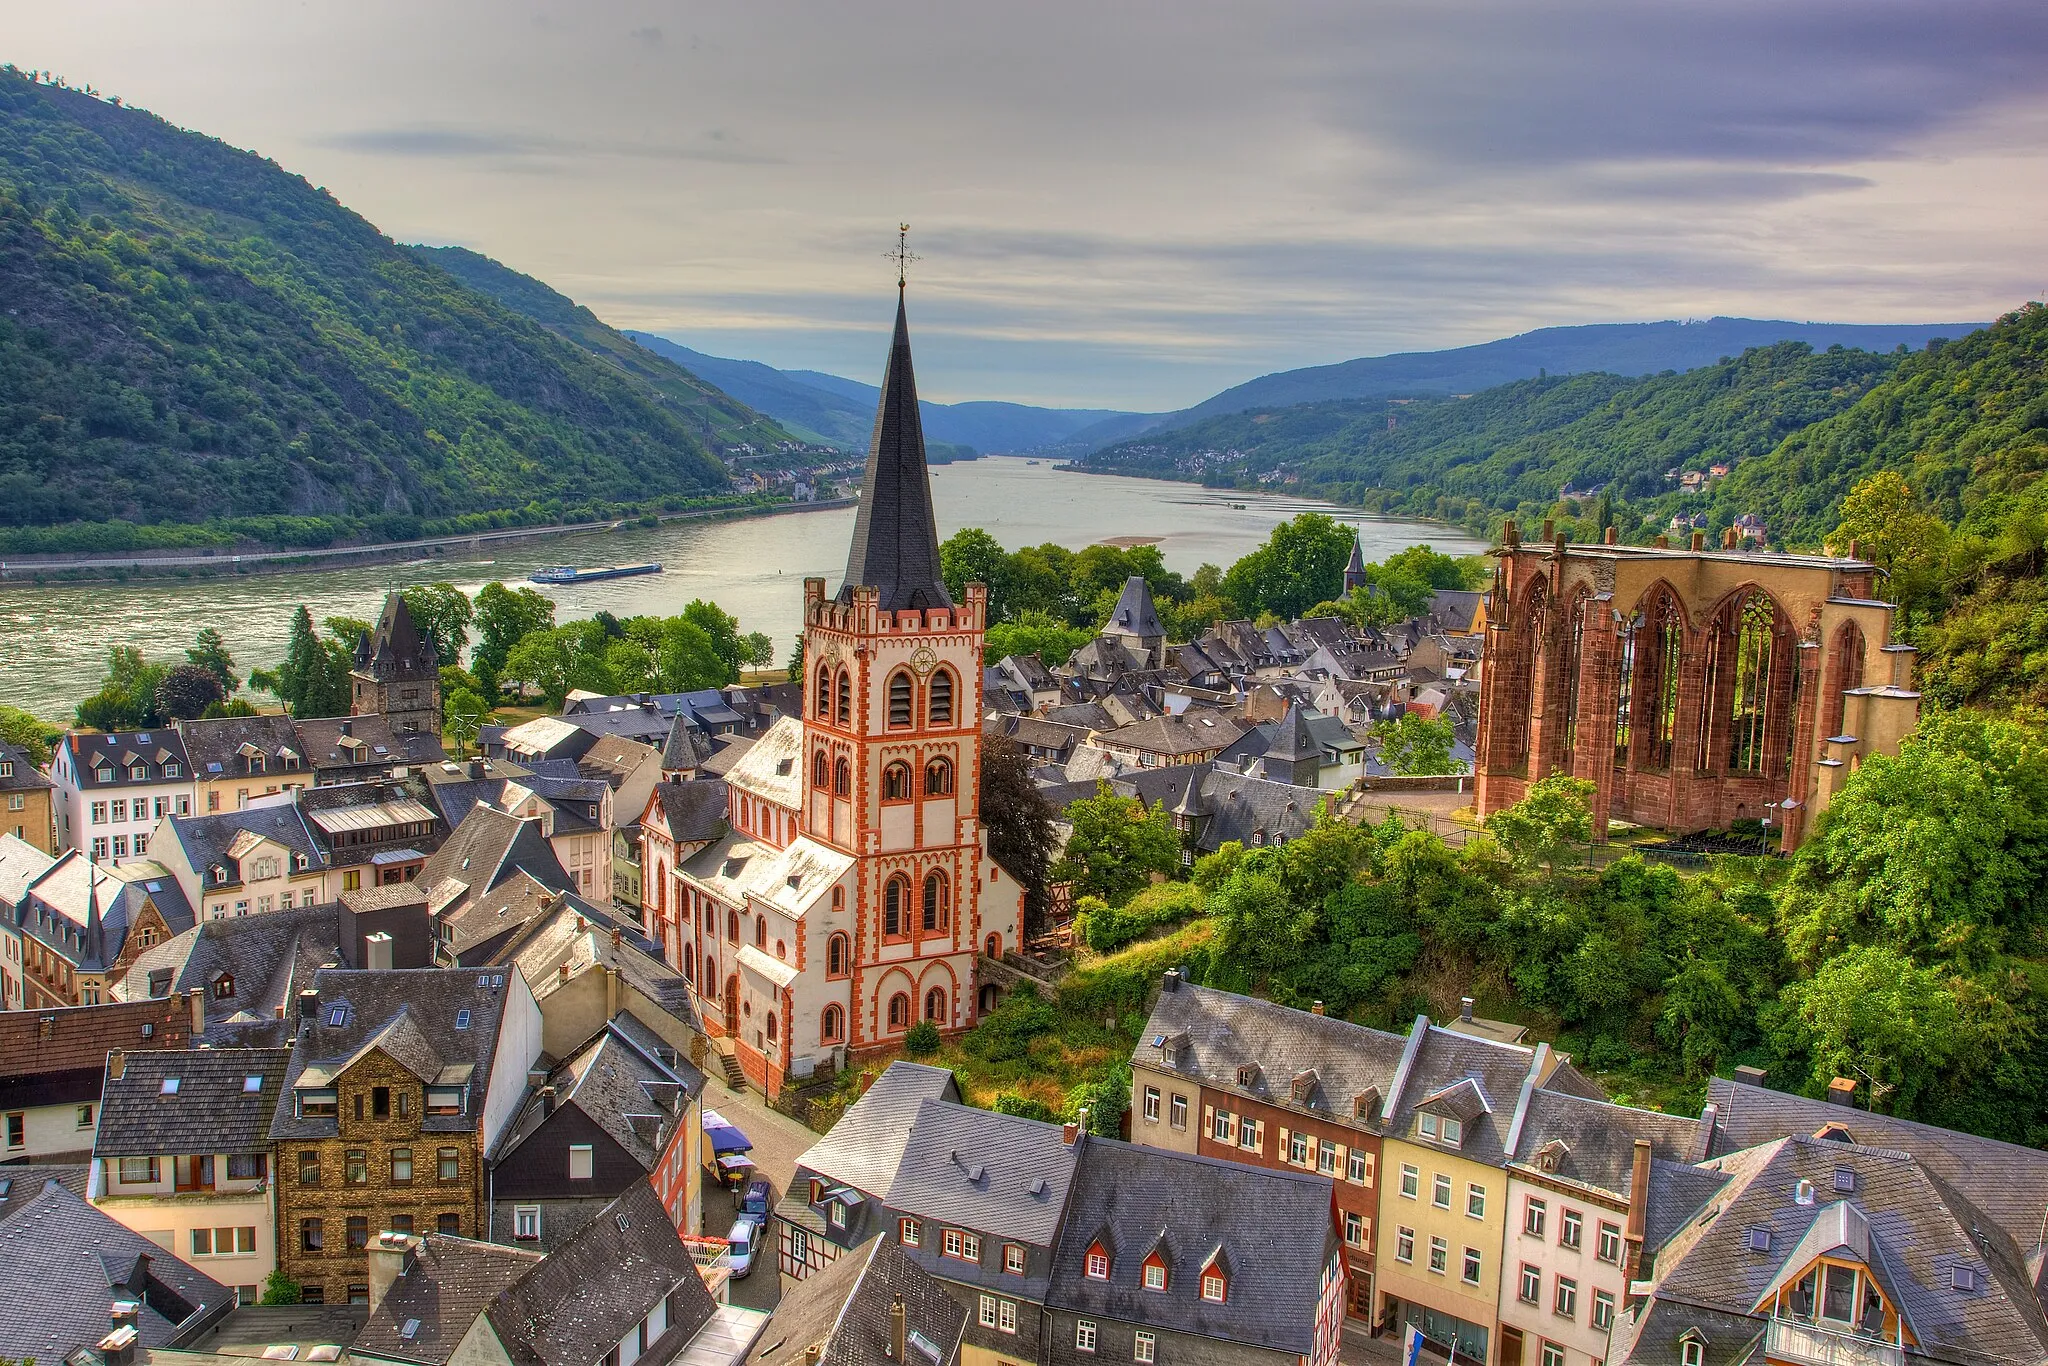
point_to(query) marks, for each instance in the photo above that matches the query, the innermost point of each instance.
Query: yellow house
(1447, 1122)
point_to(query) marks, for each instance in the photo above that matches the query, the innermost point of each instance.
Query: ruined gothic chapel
(1693, 688)
(853, 896)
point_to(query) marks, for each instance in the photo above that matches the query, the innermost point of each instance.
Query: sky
(1136, 205)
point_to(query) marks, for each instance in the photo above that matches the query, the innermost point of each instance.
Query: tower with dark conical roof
(397, 673)
(1354, 568)
(895, 536)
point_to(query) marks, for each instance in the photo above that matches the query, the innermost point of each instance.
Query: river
(56, 636)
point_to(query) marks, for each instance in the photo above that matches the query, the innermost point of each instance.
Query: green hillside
(1514, 448)
(723, 419)
(191, 335)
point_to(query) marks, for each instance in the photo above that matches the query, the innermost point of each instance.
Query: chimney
(389, 1254)
(1842, 1091)
(898, 1328)
(117, 1063)
(309, 1006)
(1316, 1009)
(377, 952)
(1465, 1009)
(1699, 541)
(1749, 1076)
(118, 1347)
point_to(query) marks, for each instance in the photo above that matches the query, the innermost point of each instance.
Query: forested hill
(1517, 446)
(189, 333)
(727, 420)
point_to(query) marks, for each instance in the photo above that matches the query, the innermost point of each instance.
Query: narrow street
(778, 1142)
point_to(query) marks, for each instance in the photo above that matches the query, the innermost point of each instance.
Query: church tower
(892, 740)
(397, 674)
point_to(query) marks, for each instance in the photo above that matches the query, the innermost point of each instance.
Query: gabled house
(182, 1155)
(600, 1121)
(399, 1083)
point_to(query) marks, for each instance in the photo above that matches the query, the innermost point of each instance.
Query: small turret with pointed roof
(1354, 568)
(895, 537)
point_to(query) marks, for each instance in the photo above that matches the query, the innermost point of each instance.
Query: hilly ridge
(190, 334)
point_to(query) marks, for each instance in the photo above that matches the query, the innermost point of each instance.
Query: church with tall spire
(853, 896)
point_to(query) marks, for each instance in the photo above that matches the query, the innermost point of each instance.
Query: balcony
(1810, 1345)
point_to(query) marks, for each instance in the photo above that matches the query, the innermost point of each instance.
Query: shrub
(922, 1039)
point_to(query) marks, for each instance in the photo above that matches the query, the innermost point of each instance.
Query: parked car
(744, 1238)
(759, 1196)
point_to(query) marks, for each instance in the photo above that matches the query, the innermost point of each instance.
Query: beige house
(183, 1156)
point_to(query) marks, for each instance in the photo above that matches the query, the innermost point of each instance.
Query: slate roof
(271, 957)
(2007, 1182)
(395, 648)
(484, 850)
(1194, 1209)
(206, 841)
(62, 1266)
(1208, 1035)
(689, 812)
(1134, 614)
(617, 1079)
(1598, 1138)
(1911, 1228)
(215, 746)
(120, 751)
(865, 1147)
(212, 1111)
(446, 1284)
(844, 1310)
(588, 1293)
(895, 538)
(20, 773)
(412, 1014)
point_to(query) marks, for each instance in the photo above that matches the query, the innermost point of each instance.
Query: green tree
(724, 632)
(186, 691)
(1413, 745)
(971, 555)
(1116, 846)
(1549, 825)
(31, 735)
(503, 617)
(442, 613)
(210, 652)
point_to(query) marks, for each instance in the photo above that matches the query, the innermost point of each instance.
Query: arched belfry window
(899, 700)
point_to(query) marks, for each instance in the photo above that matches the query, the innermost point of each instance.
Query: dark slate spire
(895, 539)
(1354, 569)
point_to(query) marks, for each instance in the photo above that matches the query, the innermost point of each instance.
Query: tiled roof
(62, 1266)
(844, 1311)
(1195, 1210)
(212, 1110)
(446, 1284)
(589, 1293)
(434, 1021)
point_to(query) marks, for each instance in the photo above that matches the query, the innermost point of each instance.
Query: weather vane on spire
(903, 255)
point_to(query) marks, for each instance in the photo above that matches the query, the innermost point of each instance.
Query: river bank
(55, 635)
(185, 564)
